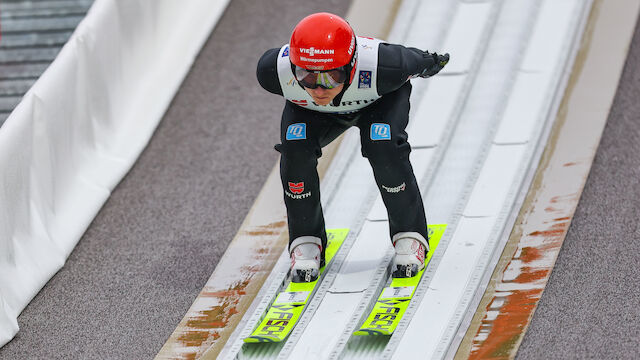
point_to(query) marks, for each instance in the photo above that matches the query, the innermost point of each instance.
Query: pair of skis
(284, 313)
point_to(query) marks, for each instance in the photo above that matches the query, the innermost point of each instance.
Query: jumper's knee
(298, 152)
(386, 151)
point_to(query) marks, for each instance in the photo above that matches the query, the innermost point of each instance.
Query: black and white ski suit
(377, 102)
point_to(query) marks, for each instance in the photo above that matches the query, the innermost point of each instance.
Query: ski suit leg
(384, 143)
(302, 134)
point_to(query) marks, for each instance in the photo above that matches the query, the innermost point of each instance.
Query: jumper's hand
(439, 61)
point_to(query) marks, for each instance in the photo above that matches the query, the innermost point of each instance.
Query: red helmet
(323, 41)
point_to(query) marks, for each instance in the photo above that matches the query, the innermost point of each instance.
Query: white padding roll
(81, 127)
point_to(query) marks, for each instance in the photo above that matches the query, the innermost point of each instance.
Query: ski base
(289, 305)
(394, 299)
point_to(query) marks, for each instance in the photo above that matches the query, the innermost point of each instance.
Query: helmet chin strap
(351, 71)
(336, 100)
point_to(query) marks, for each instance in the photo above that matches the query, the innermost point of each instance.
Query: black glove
(439, 61)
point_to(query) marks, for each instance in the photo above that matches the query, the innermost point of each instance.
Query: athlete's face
(322, 96)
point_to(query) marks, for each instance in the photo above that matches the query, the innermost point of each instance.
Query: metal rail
(32, 35)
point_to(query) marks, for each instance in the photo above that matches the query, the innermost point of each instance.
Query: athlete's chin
(322, 101)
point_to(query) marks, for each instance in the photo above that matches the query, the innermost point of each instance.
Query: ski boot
(307, 258)
(411, 250)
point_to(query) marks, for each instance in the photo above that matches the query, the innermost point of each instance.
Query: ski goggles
(328, 79)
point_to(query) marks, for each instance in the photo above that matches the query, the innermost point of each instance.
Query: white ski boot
(411, 250)
(306, 259)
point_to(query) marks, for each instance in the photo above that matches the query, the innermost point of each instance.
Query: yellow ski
(394, 300)
(288, 306)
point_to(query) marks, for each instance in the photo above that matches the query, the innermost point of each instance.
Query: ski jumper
(377, 102)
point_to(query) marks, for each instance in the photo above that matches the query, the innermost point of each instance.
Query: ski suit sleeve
(397, 64)
(267, 71)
